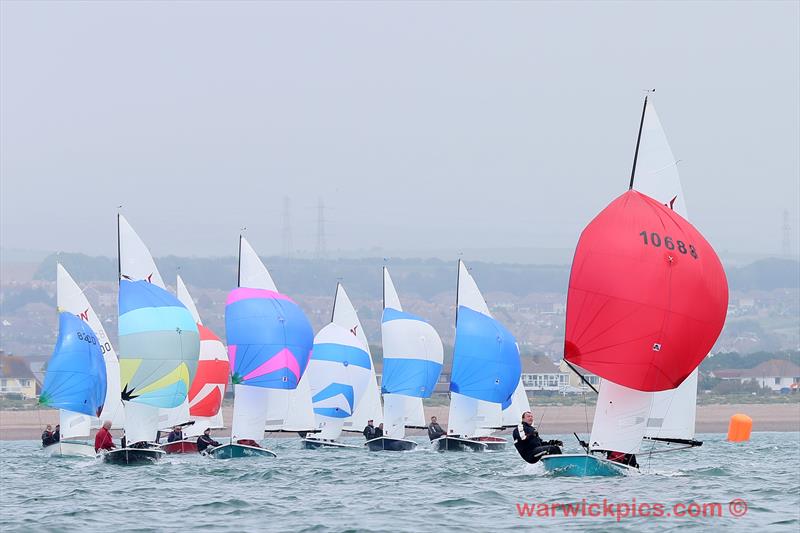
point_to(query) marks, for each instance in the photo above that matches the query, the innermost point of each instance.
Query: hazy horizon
(423, 126)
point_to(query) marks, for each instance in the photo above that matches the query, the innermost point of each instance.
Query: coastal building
(575, 383)
(775, 374)
(540, 374)
(16, 378)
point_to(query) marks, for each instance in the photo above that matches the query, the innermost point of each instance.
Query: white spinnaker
(673, 411)
(252, 272)
(73, 425)
(70, 298)
(369, 408)
(249, 413)
(135, 261)
(325, 375)
(620, 419)
(512, 415)
(468, 417)
(186, 299)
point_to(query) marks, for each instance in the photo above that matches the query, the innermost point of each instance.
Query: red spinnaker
(647, 296)
(208, 387)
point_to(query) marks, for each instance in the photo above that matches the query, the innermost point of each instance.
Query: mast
(458, 285)
(335, 297)
(119, 253)
(239, 264)
(383, 294)
(638, 140)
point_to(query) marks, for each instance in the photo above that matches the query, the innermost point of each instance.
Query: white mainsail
(70, 298)
(369, 408)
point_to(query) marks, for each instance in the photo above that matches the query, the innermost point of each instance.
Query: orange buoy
(739, 428)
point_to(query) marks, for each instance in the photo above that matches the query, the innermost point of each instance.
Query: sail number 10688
(654, 239)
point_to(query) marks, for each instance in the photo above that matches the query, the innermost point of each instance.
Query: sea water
(422, 490)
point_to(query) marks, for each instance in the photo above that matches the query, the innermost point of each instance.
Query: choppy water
(355, 490)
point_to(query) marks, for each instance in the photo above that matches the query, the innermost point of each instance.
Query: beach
(25, 425)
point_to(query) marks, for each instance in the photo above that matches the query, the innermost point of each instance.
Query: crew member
(47, 436)
(379, 431)
(434, 429)
(103, 440)
(175, 434)
(205, 441)
(528, 443)
(369, 431)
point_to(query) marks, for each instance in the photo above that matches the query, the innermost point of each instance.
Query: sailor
(379, 431)
(103, 440)
(47, 436)
(528, 443)
(57, 433)
(175, 434)
(205, 441)
(369, 431)
(623, 458)
(434, 429)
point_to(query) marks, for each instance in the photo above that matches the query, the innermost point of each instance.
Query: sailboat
(70, 298)
(412, 363)
(369, 408)
(486, 370)
(269, 345)
(646, 336)
(339, 374)
(208, 387)
(159, 345)
(74, 383)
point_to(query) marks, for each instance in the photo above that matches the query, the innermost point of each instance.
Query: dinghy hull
(390, 445)
(133, 456)
(70, 448)
(458, 444)
(238, 451)
(583, 465)
(180, 446)
(493, 444)
(310, 443)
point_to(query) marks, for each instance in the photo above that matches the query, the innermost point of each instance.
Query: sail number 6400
(654, 239)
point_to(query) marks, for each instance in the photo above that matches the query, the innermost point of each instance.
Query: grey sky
(422, 125)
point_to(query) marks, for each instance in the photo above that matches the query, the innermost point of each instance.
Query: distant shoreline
(554, 419)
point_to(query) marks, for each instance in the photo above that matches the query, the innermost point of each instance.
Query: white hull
(70, 448)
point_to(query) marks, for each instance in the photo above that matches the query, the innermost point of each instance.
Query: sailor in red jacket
(103, 440)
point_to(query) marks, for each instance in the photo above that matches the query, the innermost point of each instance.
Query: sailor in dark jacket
(528, 443)
(434, 429)
(369, 431)
(205, 441)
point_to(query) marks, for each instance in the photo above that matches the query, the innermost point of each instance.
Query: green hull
(582, 465)
(238, 451)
